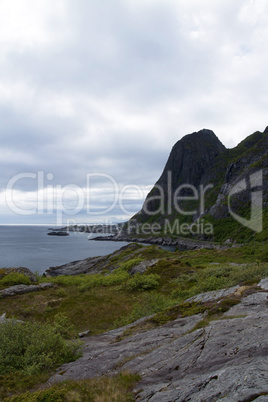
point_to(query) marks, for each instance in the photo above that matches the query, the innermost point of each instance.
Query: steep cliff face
(247, 167)
(189, 160)
(204, 180)
(191, 157)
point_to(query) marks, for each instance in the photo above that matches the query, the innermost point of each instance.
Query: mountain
(207, 191)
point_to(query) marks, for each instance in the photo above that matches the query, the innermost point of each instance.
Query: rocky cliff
(203, 182)
(189, 161)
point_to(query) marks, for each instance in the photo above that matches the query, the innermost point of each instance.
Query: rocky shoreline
(180, 243)
(97, 264)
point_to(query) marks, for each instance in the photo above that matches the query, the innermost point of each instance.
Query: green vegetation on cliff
(195, 186)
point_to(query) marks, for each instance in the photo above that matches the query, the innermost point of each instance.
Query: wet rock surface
(226, 360)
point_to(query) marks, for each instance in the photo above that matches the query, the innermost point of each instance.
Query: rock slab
(226, 360)
(22, 289)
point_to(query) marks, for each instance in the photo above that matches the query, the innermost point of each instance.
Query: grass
(112, 298)
(95, 309)
(217, 277)
(104, 389)
(99, 302)
(213, 309)
(18, 383)
(14, 278)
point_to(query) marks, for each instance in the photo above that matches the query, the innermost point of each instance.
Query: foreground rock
(213, 295)
(22, 289)
(226, 360)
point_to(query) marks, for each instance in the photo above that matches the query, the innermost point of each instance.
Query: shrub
(32, 347)
(143, 282)
(89, 281)
(15, 278)
(212, 283)
(117, 277)
(151, 303)
(126, 266)
(63, 326)
(61, 293)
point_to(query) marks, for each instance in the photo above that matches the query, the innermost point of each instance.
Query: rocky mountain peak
(191, 156)
(189, 160)
(200, 161)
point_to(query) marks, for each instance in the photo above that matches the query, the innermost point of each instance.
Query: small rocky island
(58, 232)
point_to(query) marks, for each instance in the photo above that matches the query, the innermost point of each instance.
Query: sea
(31, 247)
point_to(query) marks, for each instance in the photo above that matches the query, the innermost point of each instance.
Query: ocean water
(31, 247)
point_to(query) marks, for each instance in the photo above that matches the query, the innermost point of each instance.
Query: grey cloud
(121, 82)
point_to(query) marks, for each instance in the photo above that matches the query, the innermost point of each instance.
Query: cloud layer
(109, 87)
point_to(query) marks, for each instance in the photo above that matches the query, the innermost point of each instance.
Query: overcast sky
(107, 87)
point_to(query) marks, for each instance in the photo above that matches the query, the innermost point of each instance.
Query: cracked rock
(227, 360)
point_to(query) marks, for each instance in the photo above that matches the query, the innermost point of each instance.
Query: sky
(94, 94)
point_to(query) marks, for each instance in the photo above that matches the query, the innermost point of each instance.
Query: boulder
(264, 284)
(22, 289)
